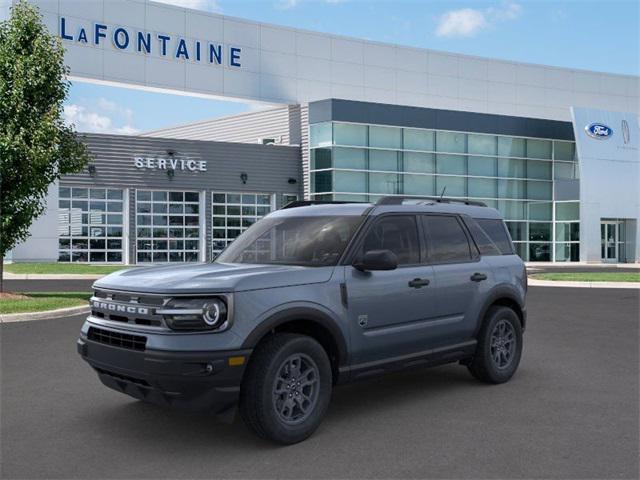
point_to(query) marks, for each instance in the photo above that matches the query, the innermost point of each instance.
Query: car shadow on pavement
(135, 421)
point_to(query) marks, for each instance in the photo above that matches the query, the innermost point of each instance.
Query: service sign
(171, 163)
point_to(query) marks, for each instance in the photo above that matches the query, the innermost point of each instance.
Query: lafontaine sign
(162, 45)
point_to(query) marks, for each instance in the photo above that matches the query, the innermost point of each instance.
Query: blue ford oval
(599, 131)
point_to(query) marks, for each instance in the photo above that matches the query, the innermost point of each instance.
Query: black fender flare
(502, 292)
(300, 313)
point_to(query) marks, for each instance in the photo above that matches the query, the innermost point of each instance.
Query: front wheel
(286, 389)
(499, 346)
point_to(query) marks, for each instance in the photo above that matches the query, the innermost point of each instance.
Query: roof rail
(399, 199)
(306, 203)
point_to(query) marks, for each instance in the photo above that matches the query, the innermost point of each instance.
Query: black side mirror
(377, 260)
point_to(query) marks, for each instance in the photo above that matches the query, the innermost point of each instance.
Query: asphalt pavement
(571, 411)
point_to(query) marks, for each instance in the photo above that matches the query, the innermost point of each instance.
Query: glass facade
(233, 213)
(90, 225)
(167, 226)
(513, 174)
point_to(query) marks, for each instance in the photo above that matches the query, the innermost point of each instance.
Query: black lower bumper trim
(190, 380)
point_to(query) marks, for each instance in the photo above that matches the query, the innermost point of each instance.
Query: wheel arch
(507, 297)
(306, 321)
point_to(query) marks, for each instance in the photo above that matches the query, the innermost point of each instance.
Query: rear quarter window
(497, 232)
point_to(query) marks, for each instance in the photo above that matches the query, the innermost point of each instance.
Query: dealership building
(555, 150)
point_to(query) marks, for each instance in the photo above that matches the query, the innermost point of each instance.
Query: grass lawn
(52, 268)
(589, 276)
(42, 301)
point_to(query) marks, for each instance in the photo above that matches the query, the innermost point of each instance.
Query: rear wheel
(499, 346)
(286, 389)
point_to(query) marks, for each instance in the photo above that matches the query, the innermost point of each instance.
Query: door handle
(418, 282)
(478, 277)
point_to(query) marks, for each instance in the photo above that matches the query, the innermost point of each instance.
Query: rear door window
(482, 240)
(497, 232)
(447, 241)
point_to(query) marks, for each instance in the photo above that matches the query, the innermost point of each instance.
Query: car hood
(211, 278)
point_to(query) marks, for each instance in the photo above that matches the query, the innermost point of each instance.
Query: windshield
(307, 241)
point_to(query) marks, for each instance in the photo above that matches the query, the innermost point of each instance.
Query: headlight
(196, 314)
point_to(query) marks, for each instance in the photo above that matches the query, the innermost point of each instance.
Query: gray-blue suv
(314, 295)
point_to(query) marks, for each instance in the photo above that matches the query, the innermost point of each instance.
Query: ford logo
(599, 131)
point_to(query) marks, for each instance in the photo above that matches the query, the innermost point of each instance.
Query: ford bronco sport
(314, 295)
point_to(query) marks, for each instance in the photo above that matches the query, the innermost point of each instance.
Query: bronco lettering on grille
(116, 307)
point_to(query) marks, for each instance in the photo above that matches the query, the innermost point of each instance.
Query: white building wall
(609, 178)
(287, 65)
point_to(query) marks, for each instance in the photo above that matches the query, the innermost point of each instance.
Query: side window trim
(473, 258)
(366, 228)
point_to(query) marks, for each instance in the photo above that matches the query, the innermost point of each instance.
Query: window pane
(385, 137)
(539, 169)
(511, 147)
(539, 190)
(446, 240)
(539, 232)
(567, 252)
(483, 144)
(452, 164)
(517, 230)
(320, 158)
(419, 162)
(539, 252)
(483, 187)
(383, 160)
(419, 185)
(114, 194)
(350, 182)
(567, 211)
(451, 142)
(539, 211)
(538, 148)
(321, 181)
(511, 189)
(512, 210)
(350, 158)
(383, 183)
(565, 171)
(564, 150)
(511, 167)
(451, 186)
(346, 134)
(567, 232)
(398, 234)
(320, 134)
(418, 139)
(484, 166)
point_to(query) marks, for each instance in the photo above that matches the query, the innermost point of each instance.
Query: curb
(532, 282)
(49, 314)
(52, 276)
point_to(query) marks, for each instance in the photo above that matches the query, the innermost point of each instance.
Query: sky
(600, 35)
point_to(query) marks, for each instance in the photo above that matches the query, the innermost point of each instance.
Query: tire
(274, 407)
(496, 358)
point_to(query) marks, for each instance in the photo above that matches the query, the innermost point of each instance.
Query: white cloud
(286, 4)
(208, 5)
(467, 22)
(86, 120)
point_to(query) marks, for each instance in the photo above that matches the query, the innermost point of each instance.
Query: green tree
(36, 147)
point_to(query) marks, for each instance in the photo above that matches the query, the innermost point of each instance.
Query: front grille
(117, 339)
(126, 378)
(131, 308)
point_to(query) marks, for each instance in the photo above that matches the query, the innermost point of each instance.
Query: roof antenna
(442, 194)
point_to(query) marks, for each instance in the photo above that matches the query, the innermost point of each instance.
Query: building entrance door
(609, 232)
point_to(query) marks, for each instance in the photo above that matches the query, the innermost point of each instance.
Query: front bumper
(191, 380)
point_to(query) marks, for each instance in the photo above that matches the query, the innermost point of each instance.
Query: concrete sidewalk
(557, 283)
(52, 276)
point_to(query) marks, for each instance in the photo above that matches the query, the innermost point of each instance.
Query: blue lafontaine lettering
(82, 36)
(144, 39)
(63, 28)
(99, 33)
(234, 56)
(182, 50)
(215, 53)
(197, 51)
(163, 40)
(118, 35)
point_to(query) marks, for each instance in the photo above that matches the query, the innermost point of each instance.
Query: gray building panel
(281, 124)
(419, 117)
(566, 190)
